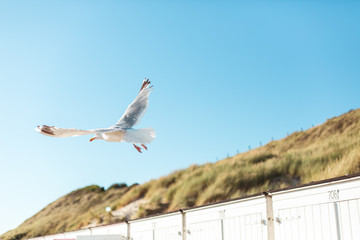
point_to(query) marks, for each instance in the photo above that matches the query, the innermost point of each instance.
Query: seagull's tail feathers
(139, 136)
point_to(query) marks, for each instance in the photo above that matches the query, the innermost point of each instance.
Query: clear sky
(227, 75)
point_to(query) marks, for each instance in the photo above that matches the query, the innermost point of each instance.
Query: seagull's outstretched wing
(62, 132)
(136, 109)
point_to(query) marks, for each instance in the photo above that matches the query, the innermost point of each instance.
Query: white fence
(328, 209)
(324, 211)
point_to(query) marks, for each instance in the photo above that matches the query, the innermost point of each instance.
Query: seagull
(122, 131)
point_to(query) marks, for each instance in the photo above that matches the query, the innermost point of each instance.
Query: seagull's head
(97, 136)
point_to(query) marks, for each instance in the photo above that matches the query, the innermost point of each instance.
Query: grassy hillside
(73, 211)
(328, 150)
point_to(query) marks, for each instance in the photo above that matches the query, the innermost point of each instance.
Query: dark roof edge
(183, 210)
(225, 201)
(329, 180)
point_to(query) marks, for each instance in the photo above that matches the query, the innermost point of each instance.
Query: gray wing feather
(136, 110)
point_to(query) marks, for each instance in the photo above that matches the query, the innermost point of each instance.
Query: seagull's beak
(92, 139)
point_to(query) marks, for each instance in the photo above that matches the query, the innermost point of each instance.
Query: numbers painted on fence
(334, 194)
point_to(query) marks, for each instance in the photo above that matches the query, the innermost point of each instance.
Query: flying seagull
(122, 131)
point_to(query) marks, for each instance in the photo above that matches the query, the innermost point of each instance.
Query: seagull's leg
(137, 148)
(144, 146)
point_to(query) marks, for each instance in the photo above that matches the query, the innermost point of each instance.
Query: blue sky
(227, 75)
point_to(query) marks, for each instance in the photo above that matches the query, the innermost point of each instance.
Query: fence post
(222, 216)
(183, 224)
(336, 208)
(128, 230)
(269, 216)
